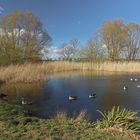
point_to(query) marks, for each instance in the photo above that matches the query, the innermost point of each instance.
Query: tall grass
(119, 118)
(80, 118)
(30, 72)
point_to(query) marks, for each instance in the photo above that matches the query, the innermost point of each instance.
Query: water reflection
(17, 91)
(52, 96)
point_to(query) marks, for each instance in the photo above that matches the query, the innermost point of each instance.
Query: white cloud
(104, 46)
(1, 9)
(51, 53)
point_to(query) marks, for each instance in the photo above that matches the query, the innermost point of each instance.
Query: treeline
(23, 38)
(114, 40)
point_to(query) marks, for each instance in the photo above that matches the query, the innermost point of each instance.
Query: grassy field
(32, 72)
(118, 124)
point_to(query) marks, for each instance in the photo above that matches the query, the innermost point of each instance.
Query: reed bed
(31, 72)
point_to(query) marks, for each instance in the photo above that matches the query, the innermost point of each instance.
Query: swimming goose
(2, 95)
(136, 79)
(131, 79)
(72, 98)
(125, 88)
(93, 95)
(23, 102)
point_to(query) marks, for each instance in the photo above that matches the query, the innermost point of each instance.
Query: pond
(52, 96)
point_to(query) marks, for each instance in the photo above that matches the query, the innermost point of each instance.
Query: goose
(93, 95)
(72, 98)
(138, 86)
(136, 79)
(131, 79)
(2, 82)
(23, 102)
(125, 88)
(2, 95)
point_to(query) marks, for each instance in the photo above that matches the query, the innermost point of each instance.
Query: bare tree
(91, 51)
(94, 49)
(113, 35)
(22, 36)
(132, 41)
(68, 49)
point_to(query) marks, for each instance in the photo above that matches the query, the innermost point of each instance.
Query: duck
(125, 88)
(93, 95)
(72, 98)
(23, 102)
(2, 95)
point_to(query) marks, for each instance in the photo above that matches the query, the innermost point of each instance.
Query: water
(51, 96)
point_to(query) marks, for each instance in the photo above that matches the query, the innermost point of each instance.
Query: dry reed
(30, 72)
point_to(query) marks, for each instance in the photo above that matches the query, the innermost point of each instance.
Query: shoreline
(37, 72)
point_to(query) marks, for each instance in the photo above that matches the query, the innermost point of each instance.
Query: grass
(120, 118)
(15, 124)
(32, 72)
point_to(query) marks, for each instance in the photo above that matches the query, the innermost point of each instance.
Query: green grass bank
(119, 124)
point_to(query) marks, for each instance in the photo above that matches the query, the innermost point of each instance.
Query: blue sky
(69, 19)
